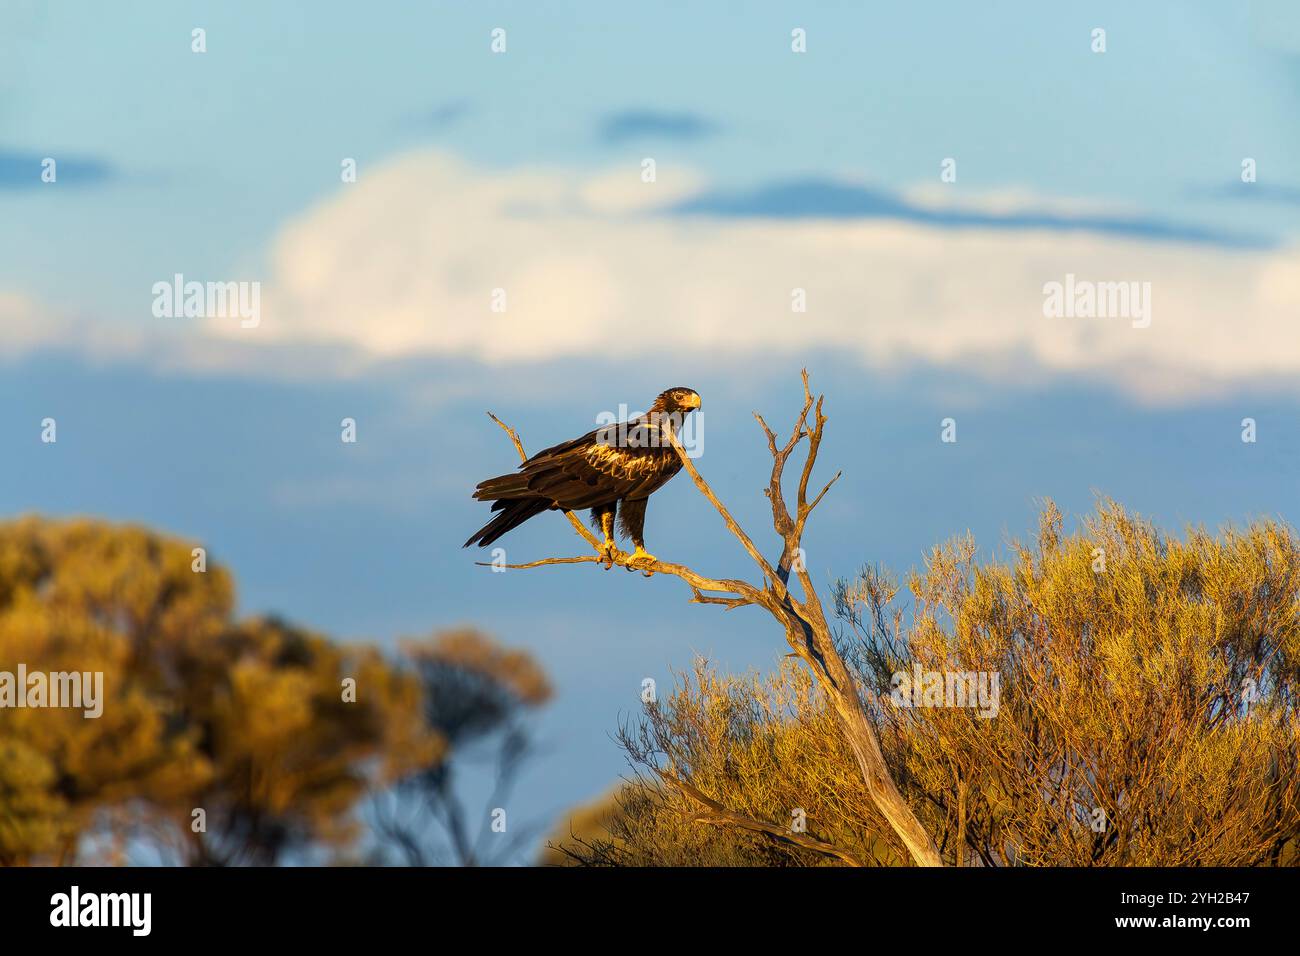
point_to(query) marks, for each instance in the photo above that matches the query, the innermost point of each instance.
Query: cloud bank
(427, 257)
(406, 262)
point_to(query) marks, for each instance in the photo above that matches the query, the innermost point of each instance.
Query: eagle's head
(677, 401)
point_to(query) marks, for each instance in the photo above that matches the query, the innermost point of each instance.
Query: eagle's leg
(633, 520)
(606, 515)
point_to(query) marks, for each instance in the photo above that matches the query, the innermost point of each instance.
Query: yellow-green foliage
(1147, 714)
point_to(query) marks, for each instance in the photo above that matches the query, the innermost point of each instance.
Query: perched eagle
(624, 462)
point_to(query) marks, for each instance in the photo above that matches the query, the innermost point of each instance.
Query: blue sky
(522, 170)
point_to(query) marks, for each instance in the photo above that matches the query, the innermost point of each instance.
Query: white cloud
(27, 326)
(21, 329)
(618, 191)
(403, 263)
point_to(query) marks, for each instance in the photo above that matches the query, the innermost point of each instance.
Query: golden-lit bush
(1145, 715)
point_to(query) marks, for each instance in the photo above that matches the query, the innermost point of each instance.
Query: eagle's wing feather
(596, 469)
(612, 463)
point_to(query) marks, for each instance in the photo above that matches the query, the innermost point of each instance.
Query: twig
(718, 815)
(732, 525)
(728, 603)
(582, 559)
(574, 520)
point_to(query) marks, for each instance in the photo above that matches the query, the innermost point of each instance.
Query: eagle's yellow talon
(641, 556)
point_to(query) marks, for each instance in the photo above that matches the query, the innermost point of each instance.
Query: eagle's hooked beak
(692, 401)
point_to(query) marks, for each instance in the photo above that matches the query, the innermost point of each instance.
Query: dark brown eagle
(623, 463)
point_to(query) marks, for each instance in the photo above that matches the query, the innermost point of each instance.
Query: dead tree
(801, 616)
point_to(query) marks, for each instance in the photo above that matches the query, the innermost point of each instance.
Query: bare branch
(771, 436)
(583, 559)
(574, 520)
(814, 443)
(719, 815)
(781, 520)
(728, 603)
(732, 525)
(821, 494)
(800, 430)
(514, 437)
(698, 582)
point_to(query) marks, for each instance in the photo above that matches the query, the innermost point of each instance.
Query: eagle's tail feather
(506, 486)
(513, 513)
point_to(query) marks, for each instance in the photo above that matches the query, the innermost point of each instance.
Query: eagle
(619, 464)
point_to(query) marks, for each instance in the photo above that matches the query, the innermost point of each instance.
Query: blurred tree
(477, 698)
(274, 732)
(1146, 715)
(83, 596)
(290, 756)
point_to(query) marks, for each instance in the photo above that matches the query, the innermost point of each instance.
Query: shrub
(1145, 715)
